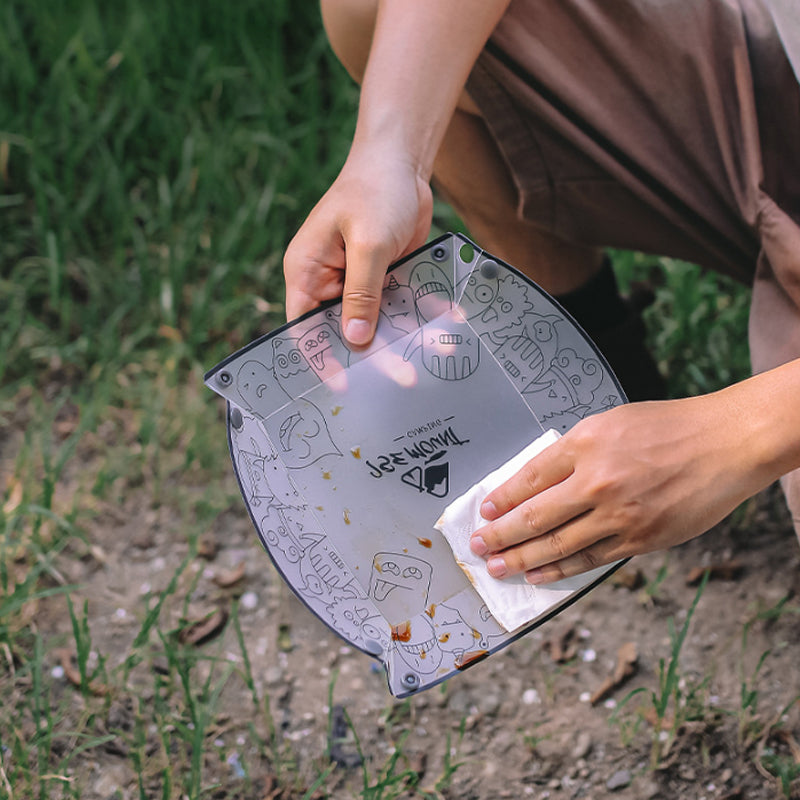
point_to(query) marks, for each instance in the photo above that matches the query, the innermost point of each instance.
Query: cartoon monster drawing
(502, 318)
(451, 350)
(477, 296)
(562, 421)
(415, 643)
(570, 382)
(323, 570)
(290, 368)
(356, 619)
(279, 537)
(404, 578)
(398, 305)
(456, 636)
(253, 479)
(257, 387)
(432, 290)
(522, 360)
(324, 350)
(300, 434)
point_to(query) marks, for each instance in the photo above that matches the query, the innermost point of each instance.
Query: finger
(563, 542)
(363, 283)
(312, 266)
(550, 467)
(539, 517)
(596, 555)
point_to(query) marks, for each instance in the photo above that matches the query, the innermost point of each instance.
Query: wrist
(765, 412)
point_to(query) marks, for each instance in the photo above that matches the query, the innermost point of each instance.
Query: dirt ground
(519, 724)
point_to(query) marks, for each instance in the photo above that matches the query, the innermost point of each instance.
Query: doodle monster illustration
(324, 350)
(569, 383)
(456, 636)
(432, 291)
(253, 479)
(300, 434)
(279, 536)
(415, 643)
(497, 306)
(323, 571)
(398, 305)
(478, 292)
(299, 431)
(256, 385)
(405, 578)
(355, 618)
(292, 371)
(527, 355)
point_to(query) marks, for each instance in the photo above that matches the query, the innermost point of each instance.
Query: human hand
(631, 480)
(377, 210)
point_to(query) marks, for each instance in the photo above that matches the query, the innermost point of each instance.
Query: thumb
(361, 298)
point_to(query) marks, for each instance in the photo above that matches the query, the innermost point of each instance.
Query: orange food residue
(356, 451)
(470, 658)
(401, 632)
(424, 542)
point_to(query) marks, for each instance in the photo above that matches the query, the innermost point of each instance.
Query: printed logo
(423, 450)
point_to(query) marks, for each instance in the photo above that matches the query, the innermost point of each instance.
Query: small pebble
(531, 696)
(619, 780)
(57, 672)
(249, 600)
(589, 655)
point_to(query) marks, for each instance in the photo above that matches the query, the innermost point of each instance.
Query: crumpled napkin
(511, 601)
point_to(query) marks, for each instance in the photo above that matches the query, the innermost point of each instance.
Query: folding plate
(346, 459)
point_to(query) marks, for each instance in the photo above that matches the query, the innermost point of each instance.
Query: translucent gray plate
(346, 459)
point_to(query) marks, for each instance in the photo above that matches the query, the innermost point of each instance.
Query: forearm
(767, 407)
(421, 55)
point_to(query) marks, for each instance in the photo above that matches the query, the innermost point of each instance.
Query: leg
(484, 195)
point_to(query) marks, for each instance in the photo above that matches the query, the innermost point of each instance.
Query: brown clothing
(666, 126)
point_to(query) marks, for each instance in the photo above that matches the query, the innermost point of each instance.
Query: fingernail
(496, 567)
(478, 546)
(535, 576)
(357, 331)
(488, 510)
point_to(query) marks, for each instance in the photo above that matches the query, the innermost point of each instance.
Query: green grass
(156, 157)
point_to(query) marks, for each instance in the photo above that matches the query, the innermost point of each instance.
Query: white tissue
(511, 601)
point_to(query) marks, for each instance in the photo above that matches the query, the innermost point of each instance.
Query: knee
(349, 25)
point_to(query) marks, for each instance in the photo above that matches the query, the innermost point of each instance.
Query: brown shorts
(665, 126)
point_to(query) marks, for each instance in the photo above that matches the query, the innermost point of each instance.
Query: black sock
(597, 305)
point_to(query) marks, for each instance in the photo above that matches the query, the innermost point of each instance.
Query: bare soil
(519, 724)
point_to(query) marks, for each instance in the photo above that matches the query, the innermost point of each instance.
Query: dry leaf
(199, 631)
(14, 497)
(627, 661)
(207, 547)
(74, 676)
(629, 579)
(723, 571)
(230, 577)
(168, 332)
(562, 647)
